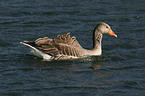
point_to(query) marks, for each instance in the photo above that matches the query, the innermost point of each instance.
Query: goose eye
(106, 26)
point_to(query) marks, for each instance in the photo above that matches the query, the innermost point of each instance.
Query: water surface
(119, 71)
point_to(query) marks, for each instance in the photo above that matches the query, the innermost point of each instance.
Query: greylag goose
(67, 47)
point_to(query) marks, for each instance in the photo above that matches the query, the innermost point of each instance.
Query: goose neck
(97, 38)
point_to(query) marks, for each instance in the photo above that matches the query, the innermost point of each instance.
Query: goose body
(67, 47)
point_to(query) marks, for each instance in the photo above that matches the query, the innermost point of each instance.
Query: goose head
(104, 29)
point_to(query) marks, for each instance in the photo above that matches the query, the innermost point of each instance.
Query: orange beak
(112, 33)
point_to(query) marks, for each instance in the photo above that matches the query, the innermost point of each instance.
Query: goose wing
(62, 45)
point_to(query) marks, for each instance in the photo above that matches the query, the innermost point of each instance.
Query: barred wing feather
(62, 45)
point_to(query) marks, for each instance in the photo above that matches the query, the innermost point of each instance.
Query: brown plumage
(66, 47)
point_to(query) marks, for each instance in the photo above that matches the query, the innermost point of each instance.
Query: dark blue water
(120, 71)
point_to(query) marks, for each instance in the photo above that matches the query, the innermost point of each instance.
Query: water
(120, 71)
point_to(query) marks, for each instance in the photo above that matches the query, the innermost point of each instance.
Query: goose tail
(36, 51)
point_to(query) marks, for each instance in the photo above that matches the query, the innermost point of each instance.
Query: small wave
(5, 43)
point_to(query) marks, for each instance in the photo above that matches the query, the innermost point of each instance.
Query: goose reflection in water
(93, 63)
